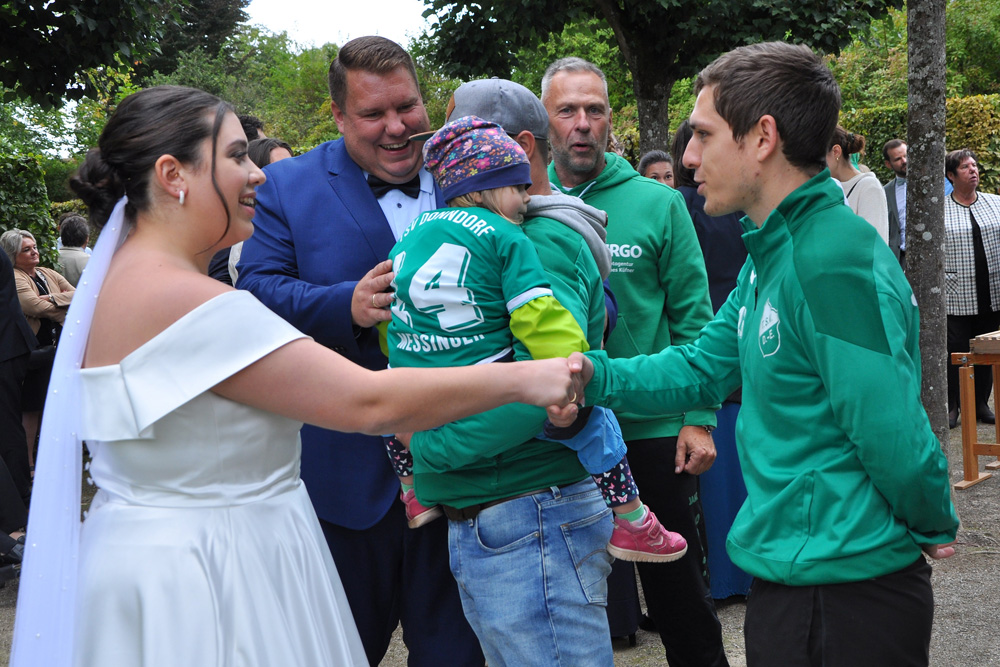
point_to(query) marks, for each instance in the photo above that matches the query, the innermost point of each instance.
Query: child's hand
(404, 438)
(564, 416)
(581, 370)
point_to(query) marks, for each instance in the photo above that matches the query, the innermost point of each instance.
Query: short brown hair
(373, 54)
(786, 81)
(954, 159)
(889, 145)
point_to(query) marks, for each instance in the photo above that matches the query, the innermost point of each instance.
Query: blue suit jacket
(318, 230)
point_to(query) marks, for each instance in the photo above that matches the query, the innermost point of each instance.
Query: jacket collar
(798, 208)
(349, 184)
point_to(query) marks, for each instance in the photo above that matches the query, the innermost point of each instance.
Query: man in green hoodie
(846, 481)
(658, 276)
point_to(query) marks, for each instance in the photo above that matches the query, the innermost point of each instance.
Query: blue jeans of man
(532, 575)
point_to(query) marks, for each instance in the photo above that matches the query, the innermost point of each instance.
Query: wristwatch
(708, 428)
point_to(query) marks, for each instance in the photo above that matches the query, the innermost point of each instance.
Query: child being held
(468, 281)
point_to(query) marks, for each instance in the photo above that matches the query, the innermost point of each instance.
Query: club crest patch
(769, 337)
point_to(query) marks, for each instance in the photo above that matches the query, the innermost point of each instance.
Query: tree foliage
(973, 47)
(24, 204)
(202, 25)
(46, 44)
(872, 69)
(660, 40)
(264, 74)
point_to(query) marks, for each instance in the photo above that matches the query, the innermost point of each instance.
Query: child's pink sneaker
(647, 543)
(416, 514)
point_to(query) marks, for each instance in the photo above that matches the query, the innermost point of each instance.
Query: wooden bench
(985, 352)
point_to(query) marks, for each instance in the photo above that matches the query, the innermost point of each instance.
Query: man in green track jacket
(846, 481)
(658, 277)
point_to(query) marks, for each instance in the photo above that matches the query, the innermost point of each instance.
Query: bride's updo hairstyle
(165, 120)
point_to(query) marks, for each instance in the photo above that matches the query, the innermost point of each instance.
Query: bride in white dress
(201, 546)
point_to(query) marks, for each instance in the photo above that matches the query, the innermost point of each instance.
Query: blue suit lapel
(348, 182)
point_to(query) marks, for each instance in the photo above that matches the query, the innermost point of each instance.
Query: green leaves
(24, 204)
(46, 44)
(659, 40)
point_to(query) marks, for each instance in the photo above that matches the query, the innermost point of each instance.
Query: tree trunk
(653, 98)
(651, 80)
(925, 237)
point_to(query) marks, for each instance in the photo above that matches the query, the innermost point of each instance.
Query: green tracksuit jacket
(657, 274)
(845, 479)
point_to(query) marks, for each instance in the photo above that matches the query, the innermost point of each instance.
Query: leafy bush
(24, 203)
(57, 172)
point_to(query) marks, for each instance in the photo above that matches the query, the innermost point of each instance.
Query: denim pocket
(503, 528)
(587, 541)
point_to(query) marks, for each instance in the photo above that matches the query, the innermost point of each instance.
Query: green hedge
(24, 203)
(971, 122)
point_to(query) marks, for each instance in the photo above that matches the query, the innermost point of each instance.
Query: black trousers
(962, 329)
(677, 595)
(13, 511)
(13, 442)
(877, 622)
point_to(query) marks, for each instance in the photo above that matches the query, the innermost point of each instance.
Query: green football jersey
(460, 273)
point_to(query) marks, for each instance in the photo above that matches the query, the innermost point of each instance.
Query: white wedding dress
(201, 546)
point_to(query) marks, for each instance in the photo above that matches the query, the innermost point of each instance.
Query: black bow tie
(379, 187)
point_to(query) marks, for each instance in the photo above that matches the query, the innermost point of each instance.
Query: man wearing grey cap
(528, 543)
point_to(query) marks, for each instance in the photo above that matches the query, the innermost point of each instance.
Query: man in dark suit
(894, 154)
(320, 230)
(16, 344)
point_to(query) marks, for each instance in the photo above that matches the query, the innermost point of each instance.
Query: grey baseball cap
(510, 105)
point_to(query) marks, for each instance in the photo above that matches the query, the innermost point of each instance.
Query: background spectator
(658, 166)
(75, 233)
(252, 126)
(44, 296)
(864, 193)
(971, 273)
(16, 343)
(261, 152)
(722, 488)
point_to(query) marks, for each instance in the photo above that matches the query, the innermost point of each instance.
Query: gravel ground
(966, 600)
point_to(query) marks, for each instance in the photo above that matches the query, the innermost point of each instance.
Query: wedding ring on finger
(374, 305)
(573, 400)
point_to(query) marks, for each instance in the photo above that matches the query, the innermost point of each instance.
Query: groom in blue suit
(325, 224)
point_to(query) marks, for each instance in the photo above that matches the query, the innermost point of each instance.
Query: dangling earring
(180, 197)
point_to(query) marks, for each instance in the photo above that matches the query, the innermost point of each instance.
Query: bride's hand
(563, 415)
(548, 382)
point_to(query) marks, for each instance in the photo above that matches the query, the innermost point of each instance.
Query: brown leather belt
(472, 511)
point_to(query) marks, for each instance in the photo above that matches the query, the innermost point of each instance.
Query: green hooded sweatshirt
(657, 274)
(845, 478)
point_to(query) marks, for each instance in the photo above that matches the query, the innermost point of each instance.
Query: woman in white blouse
(864, 192)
